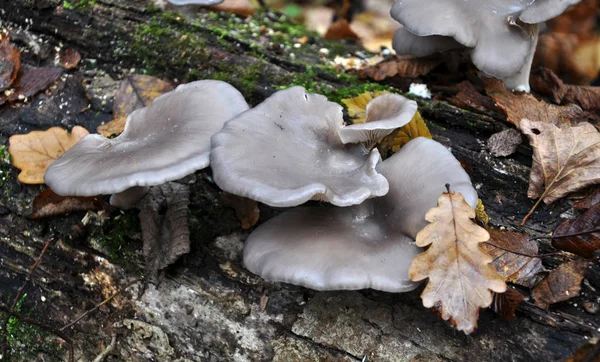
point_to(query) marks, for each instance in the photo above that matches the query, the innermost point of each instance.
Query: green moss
(117, 239)
(26, 341)
(82, 4)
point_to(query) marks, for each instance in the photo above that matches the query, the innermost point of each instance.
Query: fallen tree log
(208, 307)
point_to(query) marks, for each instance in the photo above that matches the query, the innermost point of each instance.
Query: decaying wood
(208, 307)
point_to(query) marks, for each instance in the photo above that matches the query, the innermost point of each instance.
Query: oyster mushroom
(370, 245)
(165, 141)
(501, 35)
(288, 150)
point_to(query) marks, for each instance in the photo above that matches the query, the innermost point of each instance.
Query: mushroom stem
(519, 82)
(128, 198)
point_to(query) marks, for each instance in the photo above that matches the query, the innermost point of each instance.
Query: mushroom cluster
(501, 35)
(291, 148)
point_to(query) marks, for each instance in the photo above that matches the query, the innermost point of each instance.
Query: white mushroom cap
(287, 150)
(405, 42)
(364, 246)
(502, 34)
(162, 142)
(385, 113)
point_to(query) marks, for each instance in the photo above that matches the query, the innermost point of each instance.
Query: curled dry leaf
(48, 204)
(70, 58)
(515, 256)
(545, 82)
(506, 303)
(405, 68)
(33, 152)
(580, 236)
(459, 271)
(136, 91)
(469, 98)
(561, 284)
(564, 159)
(10, 62)
(519, 106)
(340, 30)
(30, 80)
(246, 210)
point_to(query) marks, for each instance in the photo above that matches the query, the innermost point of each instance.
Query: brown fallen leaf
(589, 352)
(33, 152)
(10, 62)
(241, 8)
(564, 160)
(70, 58)
(480, 215)
(579, 19)
(545, 82)
(405, 68)
(515, 256)
(340, 30)
(506, 303)
(588, 200)
(136, 91)
(459, 271)
(30, 80)
(469, 98)
(580, 236)
(504, 143)
(524, 105)
(561, 284)
(246, 210)
(48, 204)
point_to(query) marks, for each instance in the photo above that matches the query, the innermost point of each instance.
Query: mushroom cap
(405, 42)
(385, 113)
(127, 199)
(544, 10)
(287, 150)
(195, 2)
(326, 248)
(499, 48)
(370, 245)
(162, 142)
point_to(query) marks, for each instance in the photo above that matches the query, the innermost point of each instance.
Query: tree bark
(208, 307)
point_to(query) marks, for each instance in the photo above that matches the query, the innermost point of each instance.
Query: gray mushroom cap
(370, 245)
(385, 113)
(287, 150)
(405, 42)
(162, 142)
(502, 34)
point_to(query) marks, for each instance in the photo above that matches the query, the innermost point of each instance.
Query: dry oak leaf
(461, 277)
(564, 159)
(48, 204)
(10, 62)
(515, 256)
(580, 236)
(136, 91)
(519, 106)
(561, 284)
(33, 152)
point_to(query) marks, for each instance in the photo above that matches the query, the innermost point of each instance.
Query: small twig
(58, 333)
(532, 210)
(108, 349)
(98, 305)
(19, 294)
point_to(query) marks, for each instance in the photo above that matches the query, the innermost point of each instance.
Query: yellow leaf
(413, 129)
(459, 271)
(136, 91)
(480, 214)
(357, 106)
(33, 152)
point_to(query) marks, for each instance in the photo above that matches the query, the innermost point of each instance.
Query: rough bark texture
(208, 307)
